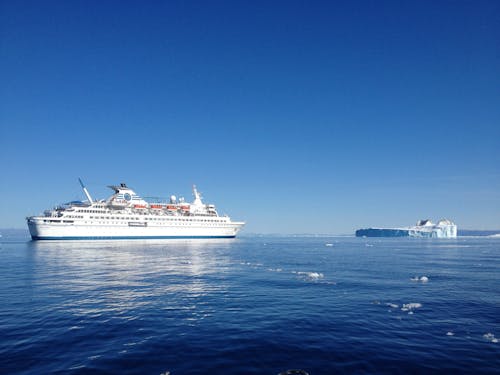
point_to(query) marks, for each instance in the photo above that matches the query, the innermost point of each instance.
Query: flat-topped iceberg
(424, 228)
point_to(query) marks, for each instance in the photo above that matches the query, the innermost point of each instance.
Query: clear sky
(295, 116)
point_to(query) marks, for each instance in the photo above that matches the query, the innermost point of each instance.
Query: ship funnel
(86, 191)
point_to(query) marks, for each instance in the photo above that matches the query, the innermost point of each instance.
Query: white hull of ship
(63, 231)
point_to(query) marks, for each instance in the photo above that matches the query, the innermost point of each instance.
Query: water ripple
(260, 305)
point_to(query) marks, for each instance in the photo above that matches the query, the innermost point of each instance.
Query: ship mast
(197, 197)
(86, 191)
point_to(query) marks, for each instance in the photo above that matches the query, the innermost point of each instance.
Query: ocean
(251, 305)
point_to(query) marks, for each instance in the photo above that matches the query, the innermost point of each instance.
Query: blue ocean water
(258, 305)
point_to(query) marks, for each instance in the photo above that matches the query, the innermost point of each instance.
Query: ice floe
(329, 244)
(311, 275)
(303, 275)
(255, 265)
(450, 333)
(422, 279)
(294, 372)
(411, 306)
(490, 337)
(275, 269)
(406, 307)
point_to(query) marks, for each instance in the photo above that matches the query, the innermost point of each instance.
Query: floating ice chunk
(490, 337)
(311, 275)
(422, 279)
(275, 269)
(411, 306)
(315, 275)
(392, 305)
(250, 264)
(449, 333)
(294, 372)
(329, 244)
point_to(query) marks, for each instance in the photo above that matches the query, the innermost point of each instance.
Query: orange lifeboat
(171, 207)
(156, 206)
(139, 206)
(185, 208)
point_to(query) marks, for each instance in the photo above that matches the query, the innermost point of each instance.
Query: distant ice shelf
(424, 228)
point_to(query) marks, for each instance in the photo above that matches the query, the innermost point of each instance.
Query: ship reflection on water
(121, 277)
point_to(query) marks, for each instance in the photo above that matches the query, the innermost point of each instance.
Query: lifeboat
(156, 206)
(139, 206)
(185, 208)
(171, 207)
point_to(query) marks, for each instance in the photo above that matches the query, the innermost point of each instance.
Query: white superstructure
(125, 215)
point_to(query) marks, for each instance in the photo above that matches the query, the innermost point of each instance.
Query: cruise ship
(425, 228)
(125, 215)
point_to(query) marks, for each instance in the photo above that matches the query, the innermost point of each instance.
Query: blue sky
(295, 116)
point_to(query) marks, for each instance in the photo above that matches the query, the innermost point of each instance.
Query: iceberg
(424, 228)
